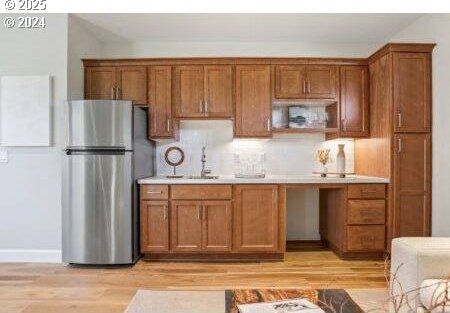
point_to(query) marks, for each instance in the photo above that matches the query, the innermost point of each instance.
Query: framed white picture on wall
(25, 117)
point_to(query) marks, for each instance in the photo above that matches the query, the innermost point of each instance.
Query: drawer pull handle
(154, 192)
(368, 191)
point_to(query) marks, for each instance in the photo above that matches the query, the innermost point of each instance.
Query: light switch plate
(3, 156)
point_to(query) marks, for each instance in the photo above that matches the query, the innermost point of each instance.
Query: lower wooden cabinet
(201, 226)
(217, 226)
(154, 226)
(186, 225)
(366, 238)
(353, 220)
(412, 185)
(256, 218)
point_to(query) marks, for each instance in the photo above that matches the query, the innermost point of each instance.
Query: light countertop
(271, 179)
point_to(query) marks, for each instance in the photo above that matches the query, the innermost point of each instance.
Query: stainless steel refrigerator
(107, 151)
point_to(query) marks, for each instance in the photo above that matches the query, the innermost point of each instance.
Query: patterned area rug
(329, 300)
(163, 301)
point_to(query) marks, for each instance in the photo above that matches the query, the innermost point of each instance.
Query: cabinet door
(412, 184)
(256, 218)
(186, 226)
(217, 226)
(160, 96)
(99, 82)
(412, 92)
(218, 90)
(253, 107)
(321, 82)
(188, 91)
(290, 81)
(132, 84)
(154, 226)
(354, 104)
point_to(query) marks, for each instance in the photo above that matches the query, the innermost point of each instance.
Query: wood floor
(52, 288)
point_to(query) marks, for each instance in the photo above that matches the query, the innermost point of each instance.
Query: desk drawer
(366, 238)
(366, 191)
(366, 211)
(154, 192)
(201, 192)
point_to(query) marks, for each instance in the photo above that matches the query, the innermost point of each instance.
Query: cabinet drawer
(154, 192)
(366, 238)
(201, 192)
(366, 191)
(366, 211)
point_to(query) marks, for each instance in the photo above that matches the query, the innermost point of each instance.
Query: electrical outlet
(3, 156)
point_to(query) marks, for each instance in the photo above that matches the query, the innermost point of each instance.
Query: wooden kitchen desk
(230, 219)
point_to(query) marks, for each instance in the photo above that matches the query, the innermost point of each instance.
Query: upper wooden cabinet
(299, 82)
(132, 84)
(256, 218)
(290, 81)
(412, 92)
(203, 91)
(116, 83)
(218, 90)
(161, 123)
(188, 91)
(322, 81)
(253, 105)
(354, 101)
(100, 82)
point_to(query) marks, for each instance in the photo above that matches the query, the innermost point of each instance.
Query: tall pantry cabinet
(399, 146)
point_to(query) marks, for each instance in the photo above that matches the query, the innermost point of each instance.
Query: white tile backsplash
(293, 154)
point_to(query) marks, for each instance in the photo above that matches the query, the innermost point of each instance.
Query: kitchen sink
(203, 177)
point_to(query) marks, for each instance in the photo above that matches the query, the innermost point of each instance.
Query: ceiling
(315, 28)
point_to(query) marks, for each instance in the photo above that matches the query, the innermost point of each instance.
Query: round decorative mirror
(174, 157)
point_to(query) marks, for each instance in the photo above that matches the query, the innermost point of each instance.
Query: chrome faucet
(205, 171)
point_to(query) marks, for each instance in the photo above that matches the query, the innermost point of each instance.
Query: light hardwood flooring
(52, 288)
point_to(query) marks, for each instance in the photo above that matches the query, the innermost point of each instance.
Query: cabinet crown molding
(401, 47)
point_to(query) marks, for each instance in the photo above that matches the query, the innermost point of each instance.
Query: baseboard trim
(31, 256)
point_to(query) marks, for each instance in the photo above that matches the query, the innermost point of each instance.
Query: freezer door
(100, 124)
(97, 208)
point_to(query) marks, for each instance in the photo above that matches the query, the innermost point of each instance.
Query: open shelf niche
(304, 117)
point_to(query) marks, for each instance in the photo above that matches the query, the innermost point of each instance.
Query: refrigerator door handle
(95, 152)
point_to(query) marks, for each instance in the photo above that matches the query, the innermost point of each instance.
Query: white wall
(30, 226)
(81, 44)
(211, 49)
(435, 28)
(30, 202)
